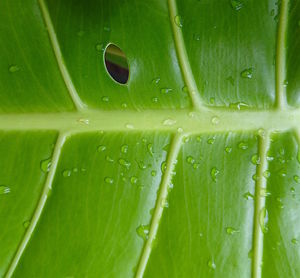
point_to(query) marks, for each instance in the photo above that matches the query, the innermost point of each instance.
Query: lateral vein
(183, 58)
(281, 56)
(62, 67)
(260, 187)
(41, 204)
(162, 197)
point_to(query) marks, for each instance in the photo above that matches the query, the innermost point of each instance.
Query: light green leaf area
(190, 169)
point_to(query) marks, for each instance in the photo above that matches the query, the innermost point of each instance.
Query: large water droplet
(190, 159)
(214, 173)
(4, 189)
(178, 21)
(211, 264)
(263, 220)
(101, 148)
(143, 231)
(109, 180)
(247, 73)
(45, 165)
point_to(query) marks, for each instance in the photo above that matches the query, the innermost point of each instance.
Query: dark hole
(116, 63)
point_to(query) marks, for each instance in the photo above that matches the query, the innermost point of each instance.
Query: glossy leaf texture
(190, 169)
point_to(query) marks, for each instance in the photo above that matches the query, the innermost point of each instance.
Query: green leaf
(191, 168)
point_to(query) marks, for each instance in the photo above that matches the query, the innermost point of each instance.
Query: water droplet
(13, 68)
(129, 126)
(198, 138)
(231, 80)
(26, 224)
(166, 90)
(296, 179)
(247, 73)
(243, 146)
(250, 254)
(228, 149)
(196, 165)
(150, 149)
(155, 81)
(282, 172)
(124, 149)
(99, 47)
(106, 28)
(263, 192)
(266, 174)
(255, 159)
(294, 241)
(124, 163)
(84, 121)
(236, 4)
(101, 148)
(141, 165)
(263, 220)
(153, 173)
(178, 20)
(211, 264)
(212, 100)
(255, 177)
(164, 203)
(133, 180)
(143, 231)
(154, 99)
(109, 180)
(231, 230)
(292, 189)
(124, 105)
(190, 159)
(248, 196)
(179, 129)
(45, 165)
(66, 173)
(169, 122)
(196, 37)
(285, 83)
(214, 173)
(211, 140)
(163, 166)
(75, 170)
(4, 189)
(185, 89)
(239, 105)
(279, 203)
(105, 99)
(215, 120)
(109, 159)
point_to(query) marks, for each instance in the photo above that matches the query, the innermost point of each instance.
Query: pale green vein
(62, 67)
(38, 211)
(281, 56)
(183, 58)
(260, 189)
(162, 197)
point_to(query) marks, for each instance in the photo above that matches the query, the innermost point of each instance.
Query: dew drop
(215, 120)
(263, 192)
(26, 224)
(248, 196)
(196, 37)
(239, 105)
(243, 146)
(255, 159)
(263, 220)
(231, 80)
(45, 165)
(153, 173)
(214, 173)
(294, 241)
(124, 162)
(155, 81)
(13, 68)
(190, 159)
(150, 149)
(101, 148)
(164, 203)
(266, 174)
(296, 179)
(211, 140)
(4, 189)
(143, 231)
(178, 20)
(99, 47)
(247, 73)
(231, 230)
(133, 180)
(105, 99)
(236, 4)
(109, 159)
(211, 264)
(212, 100)
(169, 122)
(154, 99)
(185, 89)
(228, 149)
(66, 173)
(109, 180)
(166, 90)
(163, 166)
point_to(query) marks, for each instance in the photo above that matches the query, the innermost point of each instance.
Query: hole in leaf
(116, 64)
